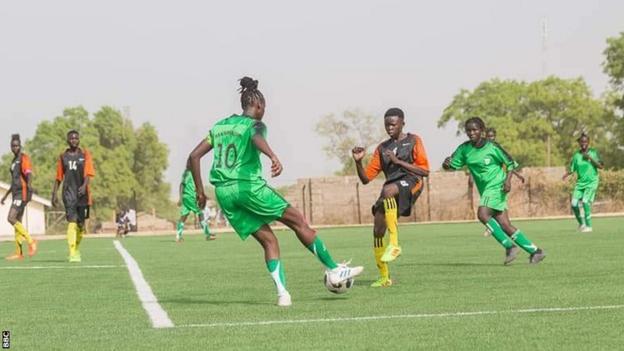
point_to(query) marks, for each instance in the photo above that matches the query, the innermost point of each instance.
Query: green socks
(179, 228)
(205, 228)
(577, 214)
(498, 233)
(522, 241)
(319, 250)
(587, 210)
(277, 273)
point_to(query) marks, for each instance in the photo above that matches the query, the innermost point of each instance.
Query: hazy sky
(176, 63)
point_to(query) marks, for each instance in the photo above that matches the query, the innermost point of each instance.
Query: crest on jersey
(487, 160)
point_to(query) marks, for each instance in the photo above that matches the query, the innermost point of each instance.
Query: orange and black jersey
(410, 149)
(21, 167)
(71, 169)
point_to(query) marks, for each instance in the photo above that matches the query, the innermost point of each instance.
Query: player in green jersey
(246, 199)
(485, 160)
(490, 134)
(585, 163)
(188, 203)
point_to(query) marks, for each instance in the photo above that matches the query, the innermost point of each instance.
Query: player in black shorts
(74, 168)
(403, 161)
(21, 191)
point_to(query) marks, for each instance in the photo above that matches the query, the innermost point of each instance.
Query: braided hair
(15, 137)
(583, 135)
(249, 92)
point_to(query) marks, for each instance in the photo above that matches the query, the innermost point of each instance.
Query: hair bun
(248, 83)
(15, 137)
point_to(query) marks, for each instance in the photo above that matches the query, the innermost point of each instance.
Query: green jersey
(235, 156)
(485, 163)
(188, 185)
(586, 172)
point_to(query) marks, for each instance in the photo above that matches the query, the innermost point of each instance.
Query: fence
(446, 196)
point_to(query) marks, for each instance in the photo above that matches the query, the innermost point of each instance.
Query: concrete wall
(446, 196)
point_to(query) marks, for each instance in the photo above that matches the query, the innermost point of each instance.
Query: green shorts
(494, 198)
(189, 205)
(585, 194)
(250, 205)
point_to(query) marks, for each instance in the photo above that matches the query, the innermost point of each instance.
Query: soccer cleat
(179, 239)
(343, 272)
(75, 258)
(537, 256)
(211, 237)
(391, 253)
(32, 248)
(14, 257)
(284, 300)
(581, 228)
(382, 283)
(510, 254)
(587, 230)
(487, 233)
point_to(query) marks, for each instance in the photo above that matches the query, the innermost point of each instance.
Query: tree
(129, 163)
(150, 161)
(613, 66)
(354, 128)
(538, 122)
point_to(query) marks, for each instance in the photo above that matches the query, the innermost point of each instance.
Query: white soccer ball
(341, 288)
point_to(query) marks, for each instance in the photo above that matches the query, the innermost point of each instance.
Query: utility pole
(544, 33)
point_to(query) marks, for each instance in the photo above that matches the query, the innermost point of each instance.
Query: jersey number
(230, 155)
(73, 165)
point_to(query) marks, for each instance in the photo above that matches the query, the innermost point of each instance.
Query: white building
(34, 214)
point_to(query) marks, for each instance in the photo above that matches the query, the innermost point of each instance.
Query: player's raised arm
(358, 154)
(200, 150)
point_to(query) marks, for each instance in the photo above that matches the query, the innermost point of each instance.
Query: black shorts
(19, 206)
(406, 197)
(77, 214)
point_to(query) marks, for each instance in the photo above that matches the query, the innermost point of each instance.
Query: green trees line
(129, 161)
(537, 122)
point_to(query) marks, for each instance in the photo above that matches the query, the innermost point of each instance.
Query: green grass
(444, 268)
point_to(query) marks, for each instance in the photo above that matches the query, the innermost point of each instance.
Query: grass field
(452, 292)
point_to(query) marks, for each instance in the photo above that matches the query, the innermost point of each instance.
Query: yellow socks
(19, 229)
(72, 233)
(391, 212)
(80, 232)
(18, 243)
(380, 248)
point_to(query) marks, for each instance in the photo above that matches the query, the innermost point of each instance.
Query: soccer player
(490, 134)
(585, 163)
(21, 191)
(188, 204)
(248, 202)
(403, 160)
(485, 160)
(74, 168)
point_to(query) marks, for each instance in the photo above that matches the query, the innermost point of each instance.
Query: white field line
(64, 267)
(157, 315)
(402, 316)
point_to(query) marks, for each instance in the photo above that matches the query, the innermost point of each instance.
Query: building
(34, 215)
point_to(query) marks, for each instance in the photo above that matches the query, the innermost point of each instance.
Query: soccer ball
(341, 288)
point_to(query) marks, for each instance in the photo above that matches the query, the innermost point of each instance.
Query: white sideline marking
(402, 316)
(155, 312)
(63, 267)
